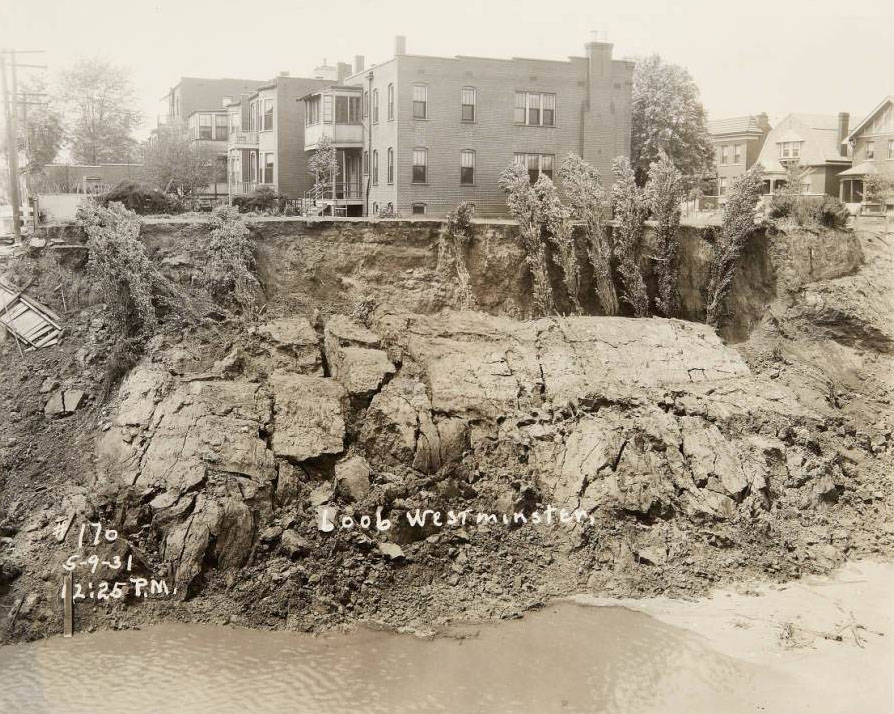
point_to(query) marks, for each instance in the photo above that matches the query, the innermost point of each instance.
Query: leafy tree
(323, 165)
(630, 210)
(590, 203)
(525, 209)
(45, 128)
(560, 230)
(100, 112)
(664, 196)
(880, 187)
(667, 115)
(739, 222)
(175, 164)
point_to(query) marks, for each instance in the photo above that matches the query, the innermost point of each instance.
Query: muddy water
(567, 658)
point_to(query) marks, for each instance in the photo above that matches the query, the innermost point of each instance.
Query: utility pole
(11, 109)
(12, 145)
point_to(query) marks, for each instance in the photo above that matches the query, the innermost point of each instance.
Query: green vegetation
(739, 223)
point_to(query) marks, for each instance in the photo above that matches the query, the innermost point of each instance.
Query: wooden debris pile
(33, 325)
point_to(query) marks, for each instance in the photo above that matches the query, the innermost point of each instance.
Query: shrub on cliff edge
(525, 209)
(229, 272)
(589, 202)
(738, 224)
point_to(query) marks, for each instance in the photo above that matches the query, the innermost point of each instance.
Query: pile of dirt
(229, 458)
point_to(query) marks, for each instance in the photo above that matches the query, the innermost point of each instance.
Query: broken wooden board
(33, 324)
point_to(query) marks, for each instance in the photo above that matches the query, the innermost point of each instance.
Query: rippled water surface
(566, 658)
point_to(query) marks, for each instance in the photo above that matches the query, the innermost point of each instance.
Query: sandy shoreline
(787, 627)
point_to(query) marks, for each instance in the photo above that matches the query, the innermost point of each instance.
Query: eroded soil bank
(694, 462)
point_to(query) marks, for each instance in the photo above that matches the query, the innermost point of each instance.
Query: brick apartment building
(737, 144)
(421, 134)
(197, 106)
(266, 136)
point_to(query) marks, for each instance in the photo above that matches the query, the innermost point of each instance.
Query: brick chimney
(599, 53)
(359, 63)
(343, 70)
(844, 120)
(400, 45)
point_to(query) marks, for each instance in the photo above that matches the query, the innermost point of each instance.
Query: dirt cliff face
(333, 266)
(227, 453)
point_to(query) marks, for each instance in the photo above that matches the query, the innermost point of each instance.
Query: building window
(268, 114)
(535, 108)
(365, 163)
(220, 127)
(724, 154)
(737, 154)
(390, 102)
(420, 165)
(253, 166)
(375, 106)
(375, 167)
(468, 104)
(891, 148)
(312, 111)
(418, 209)
(327, 108)
(268, 168)
(870, 150)
(253, 116)
(420, 101)
(390, 167)
(365, 104)
(721, 185)
(536, 164)
(204, 126)
(789, 149)
(347, 110)
(467, 167)
(549, 110)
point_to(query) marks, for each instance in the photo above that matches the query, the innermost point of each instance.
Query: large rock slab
(295, 345)
(398, 428)
(308, 416)
(353, 356)
(206, 426)
(483, 366)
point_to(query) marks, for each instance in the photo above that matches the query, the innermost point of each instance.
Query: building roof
(818, 134)
(869, 117)
(867, 168)
(734, 125)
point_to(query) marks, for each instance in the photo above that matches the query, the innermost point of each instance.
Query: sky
(776, 56)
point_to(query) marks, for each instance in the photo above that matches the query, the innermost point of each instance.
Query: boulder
(293, 545)
(63, 402)
(308, 416)
(295, 345)
(206, 426)
(391, 551)
(353, 357)
(713, 460)
(322, 494)
(398, 428)
(290, 476)
(352, 478)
